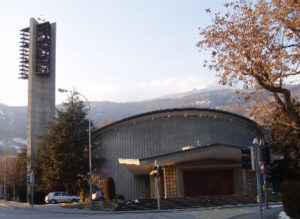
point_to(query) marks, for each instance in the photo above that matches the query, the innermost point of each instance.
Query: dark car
(99, 196)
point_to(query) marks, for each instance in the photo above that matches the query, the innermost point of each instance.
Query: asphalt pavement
(270, 213)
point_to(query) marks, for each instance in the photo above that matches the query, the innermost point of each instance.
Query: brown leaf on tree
(257, 44)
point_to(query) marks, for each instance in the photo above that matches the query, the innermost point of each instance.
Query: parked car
(99, 196)
(55, 197)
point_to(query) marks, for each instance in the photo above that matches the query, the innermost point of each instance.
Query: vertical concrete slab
(153, 187)
(180, 183)
(238, 181)
(30, 115)
(253, 183)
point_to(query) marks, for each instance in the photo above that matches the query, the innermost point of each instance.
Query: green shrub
(291, 198)
(109, 189)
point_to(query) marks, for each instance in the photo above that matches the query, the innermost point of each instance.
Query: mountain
(13, 125)
(13, 120)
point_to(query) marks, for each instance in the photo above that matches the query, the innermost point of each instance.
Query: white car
(55, 197)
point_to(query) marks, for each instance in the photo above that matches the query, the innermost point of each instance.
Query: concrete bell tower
(37, 65)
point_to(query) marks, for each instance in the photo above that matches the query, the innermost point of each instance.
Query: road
(270, 213)
(236, 213)
(16, 210)
(11, 213)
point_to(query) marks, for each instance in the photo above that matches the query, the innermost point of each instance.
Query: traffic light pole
(258, 176)
(32, 185)
(157, 172)
(265, 188)
(158, 201)
(266, 161)
(30, 180)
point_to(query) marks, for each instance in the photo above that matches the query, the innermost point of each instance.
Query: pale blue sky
(115, 50)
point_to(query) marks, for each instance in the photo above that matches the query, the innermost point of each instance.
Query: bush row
(291, 198)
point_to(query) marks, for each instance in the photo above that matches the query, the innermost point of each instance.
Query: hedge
(291, 198)
(109, 189)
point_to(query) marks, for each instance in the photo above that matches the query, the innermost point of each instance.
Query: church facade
(199, 151)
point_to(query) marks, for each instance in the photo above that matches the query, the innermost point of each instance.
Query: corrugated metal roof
(174, 110)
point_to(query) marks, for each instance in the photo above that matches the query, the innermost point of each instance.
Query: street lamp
(90, 141)
(5, 175)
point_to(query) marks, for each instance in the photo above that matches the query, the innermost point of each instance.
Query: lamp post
(90, 142)
(5, 174)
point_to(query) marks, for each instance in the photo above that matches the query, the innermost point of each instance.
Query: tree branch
(287, 105)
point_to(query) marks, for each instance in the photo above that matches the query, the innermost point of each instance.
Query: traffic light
(157, 171)
(248, 162)
(266, 154)
(154, 172)
(160, 171)
(269, 173)
(30, 178)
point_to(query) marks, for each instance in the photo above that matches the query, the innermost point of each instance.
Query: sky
(112, 50)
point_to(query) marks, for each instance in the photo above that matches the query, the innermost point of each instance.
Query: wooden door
(210, 182)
